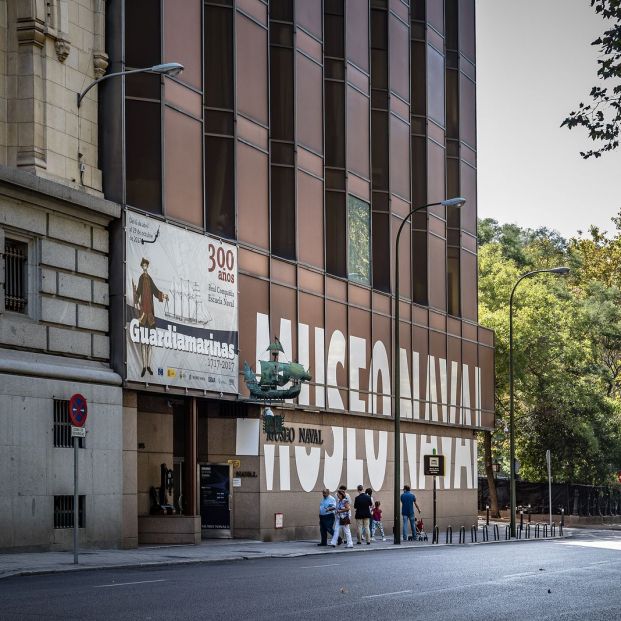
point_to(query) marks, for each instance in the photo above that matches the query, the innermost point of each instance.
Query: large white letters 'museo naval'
(442, 396)
(353, 464)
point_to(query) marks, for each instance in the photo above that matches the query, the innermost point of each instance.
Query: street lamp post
(171, 69)
(451, 202)
(560, 271)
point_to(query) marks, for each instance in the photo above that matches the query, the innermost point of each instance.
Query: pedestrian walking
(327, 510)
(377, 520)
(369, 493)
(343, 519)
(343, 488)
(408, 502)
(363, 505)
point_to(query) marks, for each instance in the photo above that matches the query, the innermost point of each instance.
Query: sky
(535, 64)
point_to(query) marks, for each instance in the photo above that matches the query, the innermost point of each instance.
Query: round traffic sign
(78, 410)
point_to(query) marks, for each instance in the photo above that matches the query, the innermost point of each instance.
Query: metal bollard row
(473, 534)
(436, 535)
(485, 532)
(449, 534)
(496, 533)
(462, 534)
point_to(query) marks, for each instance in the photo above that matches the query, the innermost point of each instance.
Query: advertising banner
(182, 307)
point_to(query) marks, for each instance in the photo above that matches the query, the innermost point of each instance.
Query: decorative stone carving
(63, 47)
(100, 63)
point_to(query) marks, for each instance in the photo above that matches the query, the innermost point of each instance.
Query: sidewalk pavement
(211, 550)
(208, 551)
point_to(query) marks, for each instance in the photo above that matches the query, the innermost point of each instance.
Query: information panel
(181, 312)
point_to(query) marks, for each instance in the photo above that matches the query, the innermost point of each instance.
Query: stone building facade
(54, 273)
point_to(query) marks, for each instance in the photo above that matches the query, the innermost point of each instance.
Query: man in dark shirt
(363, 505)
(408, 502)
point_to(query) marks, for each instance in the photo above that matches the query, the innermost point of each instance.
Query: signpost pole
(434, 500)
(549, 460)
(75, 501)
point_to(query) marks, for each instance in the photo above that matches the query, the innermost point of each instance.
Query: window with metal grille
(63, 511)
(15, 276)
(62, 425)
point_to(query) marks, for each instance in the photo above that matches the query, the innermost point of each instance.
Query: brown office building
(263, 188)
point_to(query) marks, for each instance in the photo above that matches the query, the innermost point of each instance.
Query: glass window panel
(308, 15)
(251, 63)
(183, 174)
(357, 25)
(218, 57)
(419, 170)
(467, 116)
(399, 65)
(334, 69)
(379, 30)
(144, 85)
(452, 282)
(399, 157)
(419, 71)
(282, 153)
(379, 145)
(357, 132)
(450, 19)
(359, 237)
(335, 179)
(336, 239)
(281, 93)
(452, 104)
(379, 69)
(281, 34)
(335, 124)
(143, 155)
(466, 28)
(182, 38)
(435, 84)
(283, 211)
(381, 251)
(142, 34)
(252, 196)
(309, 85)
(310, 219)
(379, 201)
(217, 122)
(419, 266)
(220, 186)
(281, 10)
(334, 33)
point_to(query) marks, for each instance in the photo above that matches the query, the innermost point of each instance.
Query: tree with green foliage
(567, 350)
(602, 117)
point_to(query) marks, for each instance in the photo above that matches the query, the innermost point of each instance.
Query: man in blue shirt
(327, 507)
(408, 502)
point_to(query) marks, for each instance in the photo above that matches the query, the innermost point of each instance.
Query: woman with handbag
(343, 519)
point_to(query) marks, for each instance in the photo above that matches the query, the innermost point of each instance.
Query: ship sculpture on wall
(275, 375)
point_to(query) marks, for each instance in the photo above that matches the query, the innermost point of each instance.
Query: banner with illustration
(182, 307)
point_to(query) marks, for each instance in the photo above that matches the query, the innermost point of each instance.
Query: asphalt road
(561, 580)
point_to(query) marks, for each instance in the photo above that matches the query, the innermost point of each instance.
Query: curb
(242, 557)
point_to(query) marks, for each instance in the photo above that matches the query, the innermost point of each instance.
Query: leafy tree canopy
(602, 117)
(567, 348)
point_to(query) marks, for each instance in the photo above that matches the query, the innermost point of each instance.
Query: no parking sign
(78, 410)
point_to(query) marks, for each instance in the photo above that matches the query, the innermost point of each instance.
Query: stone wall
(49, 51)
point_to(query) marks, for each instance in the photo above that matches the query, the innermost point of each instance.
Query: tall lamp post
(171, 69)
(559, 271)
(451, 202)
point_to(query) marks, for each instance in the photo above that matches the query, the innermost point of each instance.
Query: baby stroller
(421, 535)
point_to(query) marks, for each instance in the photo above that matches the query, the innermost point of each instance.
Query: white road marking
(105, 586)
(523, 573)
(387, 594)
(313, 566)
(605, 545)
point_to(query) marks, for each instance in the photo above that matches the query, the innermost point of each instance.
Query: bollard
(487, 517)
(462, 534)
(553, 530)
(485, 532)
(507, 532)
(449, 534)
(519, 533)
(521, 521)
(473, 534)
(496, 533)
(436, 534)
(545, 530)
(537, 529)
(560, 529)
(562, 517)
(527, 531)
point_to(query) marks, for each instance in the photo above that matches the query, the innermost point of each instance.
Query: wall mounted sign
(181, 307)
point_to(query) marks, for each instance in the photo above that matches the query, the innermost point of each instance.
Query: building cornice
(41, 191)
